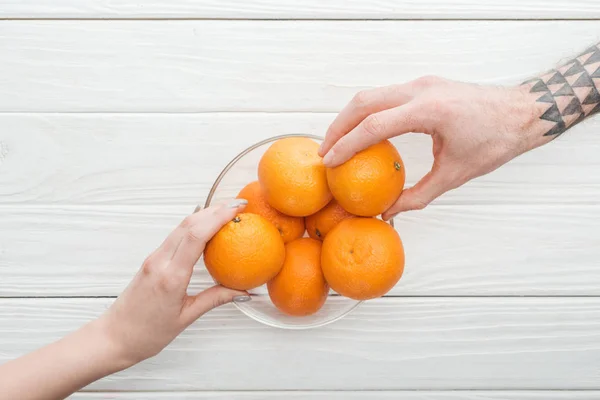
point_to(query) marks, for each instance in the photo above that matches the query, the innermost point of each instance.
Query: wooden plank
(450, 250)
(199, 66)
(297, 9)
(388, 344)
(351, 395)
(173, 159)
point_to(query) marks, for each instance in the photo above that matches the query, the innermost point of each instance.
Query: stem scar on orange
(362, 258)
(246, 253)
(370, 182)
(290, 227)
(293, 177)
(300, 288)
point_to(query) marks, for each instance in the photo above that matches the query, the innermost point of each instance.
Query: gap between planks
(297, 19)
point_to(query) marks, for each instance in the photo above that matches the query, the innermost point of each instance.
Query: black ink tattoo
(571, 91)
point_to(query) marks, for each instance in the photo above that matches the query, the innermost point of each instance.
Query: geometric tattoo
(572, 91)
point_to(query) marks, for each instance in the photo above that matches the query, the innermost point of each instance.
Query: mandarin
(300, 288)
(362, 258)
(290, 227)
(246, 253)
(321, 222)
(370, 182)
(293, 177)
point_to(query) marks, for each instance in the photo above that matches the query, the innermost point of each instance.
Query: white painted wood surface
(173, 159)
(116, 117)
(301, 9)
(200, 66)
(74, 185)
(386, 344)
(450, 250)
(352, 395)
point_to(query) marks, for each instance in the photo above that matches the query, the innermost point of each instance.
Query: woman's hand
(475, 129)
(147, 316)
(155, 307)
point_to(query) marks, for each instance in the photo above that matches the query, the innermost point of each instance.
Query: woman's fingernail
(237, 203)
(321, 147)
(242, 299)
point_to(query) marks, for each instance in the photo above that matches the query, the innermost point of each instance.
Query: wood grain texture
(478, 250)
(350, 395)
(387, 344)
(199, 66)
(173, 159)
(300, 9)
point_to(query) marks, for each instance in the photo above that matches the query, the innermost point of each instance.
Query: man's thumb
(431, 186)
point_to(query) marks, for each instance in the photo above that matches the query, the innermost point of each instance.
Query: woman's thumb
(211, 298)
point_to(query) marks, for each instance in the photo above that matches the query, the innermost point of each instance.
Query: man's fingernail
(237, 203)
(242, 299)
(321, 147)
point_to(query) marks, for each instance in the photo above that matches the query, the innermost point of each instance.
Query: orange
(293, 177)
(300, 288)
(321, 222)
(370, 182)
(362, 258)
(246, 253)
(290, 227)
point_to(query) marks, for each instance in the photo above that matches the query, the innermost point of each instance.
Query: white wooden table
(117, 115)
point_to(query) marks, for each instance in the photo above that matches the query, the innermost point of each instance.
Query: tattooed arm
(569, 93)
(475, 129)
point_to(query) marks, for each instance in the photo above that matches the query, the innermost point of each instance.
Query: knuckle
(427, 81)
(188, 222)
(196, 234)
(361, 99)
(148, 266)
(373, 126)
(220, 300)
(419, 204)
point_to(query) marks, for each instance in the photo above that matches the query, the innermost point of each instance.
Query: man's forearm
(568, 94)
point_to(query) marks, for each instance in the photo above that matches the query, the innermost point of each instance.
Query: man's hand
(475, 129)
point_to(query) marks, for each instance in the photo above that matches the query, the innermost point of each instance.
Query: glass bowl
(237, 174)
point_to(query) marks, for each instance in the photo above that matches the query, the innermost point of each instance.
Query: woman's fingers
(362, 105)
(375, 128)
(202, 226)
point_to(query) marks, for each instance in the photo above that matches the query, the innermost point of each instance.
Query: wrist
(110, 353)
(529, 132)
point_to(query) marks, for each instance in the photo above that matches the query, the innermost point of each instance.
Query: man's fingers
(375, 128)
(198, 230)
(362, 105)
(430, 187)
(202, 303)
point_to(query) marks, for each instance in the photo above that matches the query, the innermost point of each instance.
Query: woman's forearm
(148, 315)
(63, 367)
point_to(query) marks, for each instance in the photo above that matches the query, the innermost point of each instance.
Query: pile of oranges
(347, 249)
